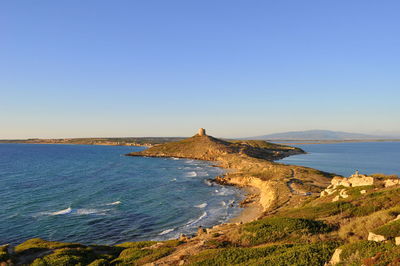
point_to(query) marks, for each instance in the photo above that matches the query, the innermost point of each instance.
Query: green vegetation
(37, 243)
(389, 230)
(139, 244)
(138, 256)
(370, 253)
(67, 256)
(276, 229)
(318, 210)
(289, 254)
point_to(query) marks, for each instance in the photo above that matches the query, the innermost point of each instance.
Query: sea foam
(201, 206)
(166, 231)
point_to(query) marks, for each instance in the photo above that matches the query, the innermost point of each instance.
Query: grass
(288, 254)
(136, 256)
(370, 253)
(139, 244)
(278, 228)
(66, 257)
(38, 243)
(389, 230)
(319, 210)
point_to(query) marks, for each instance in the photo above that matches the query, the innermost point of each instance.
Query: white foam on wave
(201, 206)
(71, 211)
(65, 211)
(192, 222)
(224, 192)
(174, 158)
(166, 231)
(114, 203)
(173, 179)
(208, 182)
(90, 211)
(191, 174)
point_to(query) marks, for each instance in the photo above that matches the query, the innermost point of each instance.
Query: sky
(165, 68)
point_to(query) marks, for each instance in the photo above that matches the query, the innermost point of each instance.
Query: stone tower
(202, 132)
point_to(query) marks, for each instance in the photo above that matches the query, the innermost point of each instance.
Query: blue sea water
(95, 194)
(345, 158)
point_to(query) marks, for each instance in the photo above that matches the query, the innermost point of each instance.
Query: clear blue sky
(165, 68)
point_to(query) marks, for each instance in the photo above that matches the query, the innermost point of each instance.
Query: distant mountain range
(318, 135)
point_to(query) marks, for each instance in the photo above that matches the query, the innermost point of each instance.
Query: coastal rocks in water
(376, 237)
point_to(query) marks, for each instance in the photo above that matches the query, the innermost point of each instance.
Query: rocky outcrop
(391, 182)
(266, 189)
(376, 237)
(335, 257)
(355, 180)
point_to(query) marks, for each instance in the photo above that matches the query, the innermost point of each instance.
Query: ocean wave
(166, 231)
(191, 174)
(173, 179)
(65, 211)
(90, 211)
(192, 222)
(202, 173)
(114, 203)
(208, 182)
(201, 206)
(71, 211)
(224, 192)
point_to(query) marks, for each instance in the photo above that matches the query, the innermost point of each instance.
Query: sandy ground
(251, 211)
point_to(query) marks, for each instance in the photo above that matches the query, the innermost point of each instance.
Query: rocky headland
(301, 216)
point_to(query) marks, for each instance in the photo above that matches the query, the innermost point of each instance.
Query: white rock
(335, 257)
(375, 237)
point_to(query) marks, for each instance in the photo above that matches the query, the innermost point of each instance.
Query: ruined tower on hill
(202, 132)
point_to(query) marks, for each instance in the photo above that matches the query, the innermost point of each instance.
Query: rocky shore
(294, 216)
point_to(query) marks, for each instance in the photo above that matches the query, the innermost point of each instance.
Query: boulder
(343, 193)
(363, 191)
(336, 198)
(375, 237)
(391, 182)
(201, 231)
(397, 240)
(361, 180)
(335, 257)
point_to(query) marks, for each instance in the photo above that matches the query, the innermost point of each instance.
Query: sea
(97, 195)
(345, 158)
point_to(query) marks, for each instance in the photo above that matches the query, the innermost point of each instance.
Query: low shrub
(66, 257)
(137, 256)
(356, 253)
(38, 243)
(138, 244)
(389, 230)
(289, 254)
(319, 210)
(278, 228)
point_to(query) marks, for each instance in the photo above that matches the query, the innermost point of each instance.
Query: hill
(211, 149)
(317, 135)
